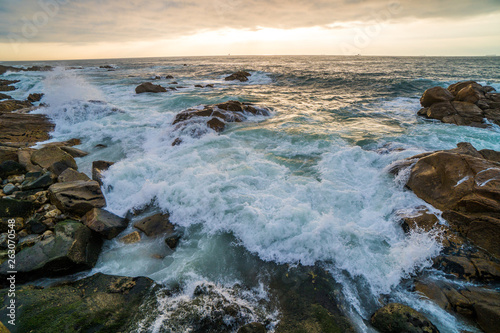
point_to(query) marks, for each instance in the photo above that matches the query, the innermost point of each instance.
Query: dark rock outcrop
(399, 318)
(35, 97)
(4, 96)
(156, 225)
(240, 76)
(100, 303)
(13, 105)
(463, 103)
(71, 249)
(148, 87)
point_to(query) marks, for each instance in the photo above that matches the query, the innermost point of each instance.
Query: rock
(74, 151)
(68, 143)
(469, 112)
(100, 303)
(4, 222)
(24, 158)
(156, 225)
(456, 87)
(253, 328)
(149, 87)
(105, 223)
(71, 175)
(8, 154)
(9, 189)
(241, 76)
(173, 241)
(42, 182)
(77, 197)
(35, 98)
(435, 95)
(39, 68)
(74, 248)
(106, 67)
(216, 124)
(490, 155)
(26, 129)
(131, 238)
(168, 77)
(440, 110)
(399, 318)
(3, 96)
(13, 105)
(98, 167)
(53, 159)
(9, 168)
(4, 69)
(470, 94)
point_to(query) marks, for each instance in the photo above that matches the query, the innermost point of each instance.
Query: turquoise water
(309, 184)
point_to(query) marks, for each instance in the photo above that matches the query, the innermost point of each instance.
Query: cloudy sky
(84, 29)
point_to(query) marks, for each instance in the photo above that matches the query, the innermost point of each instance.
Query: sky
(99, 29)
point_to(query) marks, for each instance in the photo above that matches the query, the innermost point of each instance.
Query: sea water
(307, 185)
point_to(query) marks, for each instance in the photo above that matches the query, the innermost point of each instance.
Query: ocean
(307, 185)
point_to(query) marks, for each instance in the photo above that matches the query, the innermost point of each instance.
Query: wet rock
(253, 328)
(399, 318)
(13, 105)
(8, 154)
(156, 225)
(106, 67)
(105, 223)
(53, 159)
(4, 96)
(9, 189)
(68, 143)
(471, 94)
(73, 248)
(74, 151)
(240, 76)
(71, 175)
(98, 167)
(456, 87)
(37, 181)
(148, 87)
(77, 197)
(15, 208)
(24, 158)
(24, 129)
(9, 168)
(173, 241)
(216, 124)
(435, 95)
(131, 238)
(4, 69)
(35, 98)
(4, 223)
(100, 303)
(45, 68)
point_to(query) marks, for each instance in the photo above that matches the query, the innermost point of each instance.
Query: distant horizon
(262, 55)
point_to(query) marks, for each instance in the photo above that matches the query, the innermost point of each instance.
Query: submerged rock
(399, 318)
(463, 103)
(240, 76)
(98, 167)
(73, 248)
(100, 303)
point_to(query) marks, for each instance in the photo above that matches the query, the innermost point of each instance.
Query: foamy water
(308, 185)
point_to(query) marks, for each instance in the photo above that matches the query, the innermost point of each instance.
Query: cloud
(68, 21)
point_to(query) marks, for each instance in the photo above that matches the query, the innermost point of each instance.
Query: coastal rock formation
(397, 318)
(72, 248)
(148, 87)
(463, 103)
(4, 96)
(35, 97)
(98, 167)
(13, 105)
(53, 159)
(216, 116)
(240, 76)
(23, 130)
(105, 223)
(156, 225)
(77, 197)
(100, 303)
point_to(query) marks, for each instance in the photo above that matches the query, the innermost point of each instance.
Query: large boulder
(435, 95)
(466, 186)
(77, 197)
(71, 175)
(8, 154)
(148, 87)
(73, 248)
(37, 181)
(240, 76)
(105, 223)
(99, 303)
(399, 318)
(24, 129)
(156, 225)
(9, 168)
(53, 159)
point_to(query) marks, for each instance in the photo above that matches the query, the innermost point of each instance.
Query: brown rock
(470, 112)
(98, 167)
(53, 159)
(8, 154)
(156, 225)
(491, 155)
(216, 124)
(105, 223)
(71, 175)
(398, 318)
(131, 238)
(77, 197)
(435, 95)
(13, 105)
(68, 143)
(24, 157)
(149, 87)
(440, 110)
(74, 151)
(241, 76)
(35, 98)
(3, 96)
(24, 129)
(455, 88)
(470, 94)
